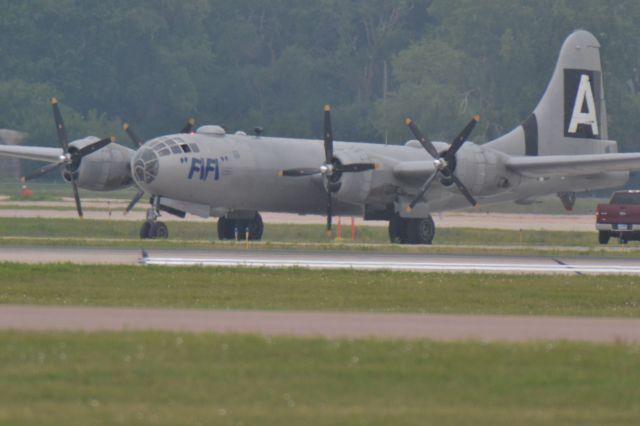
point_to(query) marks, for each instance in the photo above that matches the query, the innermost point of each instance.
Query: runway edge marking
(394, 266)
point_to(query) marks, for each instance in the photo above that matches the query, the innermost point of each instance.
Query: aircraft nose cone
(145, 166)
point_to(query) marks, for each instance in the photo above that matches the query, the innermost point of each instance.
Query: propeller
(70, 158)
(331, 169)
(444, 164)
(132, 135)
(188, 128)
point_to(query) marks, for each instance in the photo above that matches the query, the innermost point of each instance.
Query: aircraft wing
(36, 153)
(414, 170)
(573, 165)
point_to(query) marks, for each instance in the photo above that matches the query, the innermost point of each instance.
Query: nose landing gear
(152, 228)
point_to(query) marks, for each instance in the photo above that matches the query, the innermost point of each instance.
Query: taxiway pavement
(109, 209)
(323, 324)
(423, 262)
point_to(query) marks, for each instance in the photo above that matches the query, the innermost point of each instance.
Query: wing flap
(573, 165)
(36, 153)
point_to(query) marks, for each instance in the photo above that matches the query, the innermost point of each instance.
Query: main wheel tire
(397, 230)
(256, 227)
(144, 230)
(226, 228)
(221, 228)
(159, 231)
(603, 237)
(421, 231)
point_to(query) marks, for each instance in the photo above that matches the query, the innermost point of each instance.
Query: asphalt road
(323, 324)
(325, 260)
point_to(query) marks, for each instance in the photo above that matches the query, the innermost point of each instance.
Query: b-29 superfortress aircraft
(562, 148)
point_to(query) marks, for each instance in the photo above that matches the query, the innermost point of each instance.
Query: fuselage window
(164, 152)
(176, 149)
(194, 147)
(185, 147)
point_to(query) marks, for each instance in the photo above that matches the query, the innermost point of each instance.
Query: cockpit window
(164, 147)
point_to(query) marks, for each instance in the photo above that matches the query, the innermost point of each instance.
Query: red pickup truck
(619, 218)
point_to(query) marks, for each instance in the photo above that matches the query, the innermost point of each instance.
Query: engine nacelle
(482, 170)
(107, 169)
(351, 187)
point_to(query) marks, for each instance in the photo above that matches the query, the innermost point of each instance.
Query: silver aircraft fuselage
(239, 172)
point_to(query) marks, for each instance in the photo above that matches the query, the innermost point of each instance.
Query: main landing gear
(236, 229)
(152, 228)
(411, 231)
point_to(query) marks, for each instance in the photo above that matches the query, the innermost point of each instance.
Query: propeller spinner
(331, 169)
(445, 164)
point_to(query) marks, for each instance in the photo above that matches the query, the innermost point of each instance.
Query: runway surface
(423, 262)
(324, 324)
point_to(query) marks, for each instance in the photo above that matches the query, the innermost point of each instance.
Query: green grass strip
(338, 290)
(76, 228)
(105, 233)
(187, 379)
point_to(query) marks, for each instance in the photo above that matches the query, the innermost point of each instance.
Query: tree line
(274, 63)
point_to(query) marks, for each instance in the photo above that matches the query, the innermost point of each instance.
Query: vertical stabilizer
(571, 117)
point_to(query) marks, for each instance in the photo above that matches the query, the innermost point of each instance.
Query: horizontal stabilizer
(573, 165)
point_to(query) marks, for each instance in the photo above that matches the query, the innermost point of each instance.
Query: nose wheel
(154, 231)
(152, 228)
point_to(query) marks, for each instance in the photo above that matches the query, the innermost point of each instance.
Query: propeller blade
(329, 212)
(83, 152)
(41, 171)
(303, 171)
(465, 192)
(328, 135)
(354, 167)
(422, 191)
(61, 130)
(76, 195)
(188, 128)
(132, 135)
(424, 141)
(134, 201)
(461, 138)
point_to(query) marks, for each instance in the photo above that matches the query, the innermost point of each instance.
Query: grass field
(127, 378)
(189, 379)
(298, 289)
